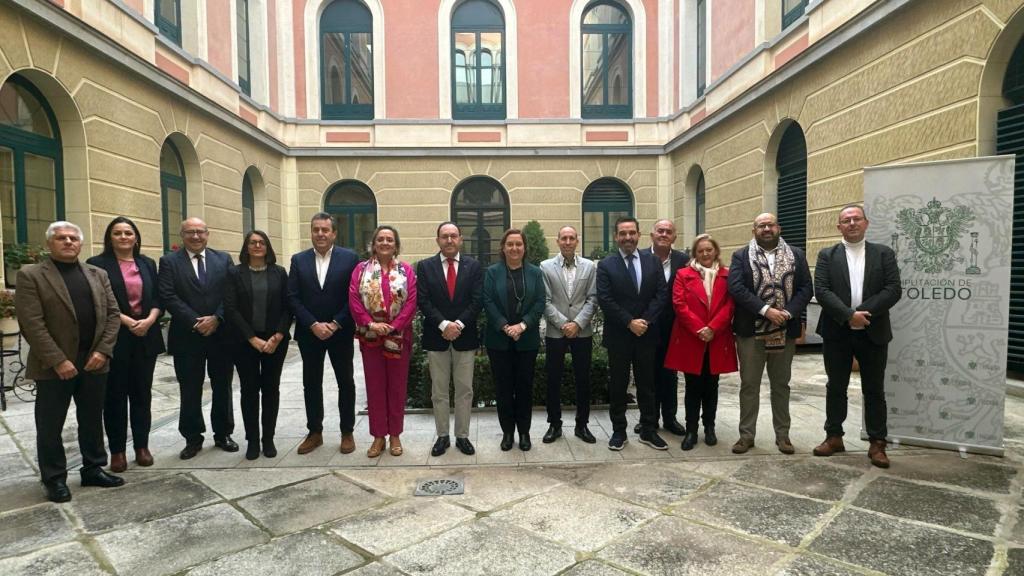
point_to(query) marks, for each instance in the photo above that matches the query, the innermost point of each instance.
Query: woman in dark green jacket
(514, 303)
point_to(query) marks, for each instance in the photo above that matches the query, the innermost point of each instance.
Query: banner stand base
(941, 445)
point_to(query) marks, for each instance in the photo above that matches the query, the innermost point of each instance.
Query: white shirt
(444, 268)
(666, 264)
(855, 263)
(195, 261)
(568, 272)
(636, 264)
(323, 262)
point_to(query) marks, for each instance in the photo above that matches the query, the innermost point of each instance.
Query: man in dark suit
(318, 295)
(192, 290)
(771, 284)
(450, 287)
(631, 291)
(856, 283)
(69, 317)
(666, 382)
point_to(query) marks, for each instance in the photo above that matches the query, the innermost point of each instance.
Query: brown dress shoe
(118, 463)
(396, 446)
(348, 444)
(830, 446)
(741, 446)
(876, 452)
(376, 448)
(312, 441)
(785, 446)
(143, 457)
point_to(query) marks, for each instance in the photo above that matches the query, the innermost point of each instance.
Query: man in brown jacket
(69, 317)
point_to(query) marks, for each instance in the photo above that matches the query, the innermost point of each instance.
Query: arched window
(700, 215)
(478, 67)
(242, 30)
(480, 209)
(167, 17)
(248, 205)
(346, 61)
(1010, 140)
(352, 204)
(172, 193)
(31, 171)
(791, 163)
(607, 61)
(604, 201)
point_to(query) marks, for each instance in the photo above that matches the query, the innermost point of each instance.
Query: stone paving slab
(398, 525)
(234, 484)
(765, 513)
(137, 502)
(1018, 527)
(577, 518)
(976, 472)
(896, 546)
(307, 504)
(675, 547)
(64, 560)
(303, 554)
(13, 465)
(654, 484)
(593, 568)
(374, 569)
(931, 504)
(33, 528)
(171, 544)
(799, 475)
(19, 492)
(807, 565)
(484, 547)
(1014, 561)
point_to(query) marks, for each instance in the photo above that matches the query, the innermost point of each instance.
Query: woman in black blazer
(256, 308)
(133, 279)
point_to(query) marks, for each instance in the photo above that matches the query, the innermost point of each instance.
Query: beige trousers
(753, 360)
(451, 367)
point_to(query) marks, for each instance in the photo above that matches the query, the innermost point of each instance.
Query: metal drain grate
(440, 487)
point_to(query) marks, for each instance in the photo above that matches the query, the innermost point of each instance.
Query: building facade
(258, 113)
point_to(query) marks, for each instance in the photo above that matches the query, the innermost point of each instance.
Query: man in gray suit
(571, 283)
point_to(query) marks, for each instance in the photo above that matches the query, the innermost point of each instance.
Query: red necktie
(451, 278)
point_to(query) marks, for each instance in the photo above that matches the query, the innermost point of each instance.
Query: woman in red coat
(702, 346)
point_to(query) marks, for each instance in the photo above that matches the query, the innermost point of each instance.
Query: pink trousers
(386, 381)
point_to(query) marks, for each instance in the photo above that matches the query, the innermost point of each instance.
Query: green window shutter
(791, 164)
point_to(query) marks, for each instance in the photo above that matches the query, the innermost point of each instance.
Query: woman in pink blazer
(702, 345)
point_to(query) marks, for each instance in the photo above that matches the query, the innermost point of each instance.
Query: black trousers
(838, 357)
(701, 393)
(339, 348)
(191, 369)
(582, 350)
(640, 359)
(53, 398)
(666, 383)
(513, 386)
(129, 387)
(259, 376)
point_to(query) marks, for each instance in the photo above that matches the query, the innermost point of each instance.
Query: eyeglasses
(767, 226)
(852, 220)
(257, 243)
(194, 232)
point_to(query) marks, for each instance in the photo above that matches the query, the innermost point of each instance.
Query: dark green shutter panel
(1010, 140)
(792, 189)
(607, 190)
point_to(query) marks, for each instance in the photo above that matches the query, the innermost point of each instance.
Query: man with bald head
(771, 284)
(192, 290)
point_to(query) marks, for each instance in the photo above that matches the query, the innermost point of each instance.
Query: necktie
(451, 278)
(202, 269)
(632, 272)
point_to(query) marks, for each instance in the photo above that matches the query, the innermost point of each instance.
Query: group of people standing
(94, 335)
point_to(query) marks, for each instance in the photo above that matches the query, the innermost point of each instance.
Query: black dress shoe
(689, 441)
(617, 440)
(653, 440)
(637, 428)
(226, 444)
(189, 451)
(98, 477)
(441, 445)
(553, 433)
(709, 436)
(674, 427)
(506, 442)
(465, 446)
(524, 442)
(57, 491)
(583, 433)
(252, 450)
(269, 450)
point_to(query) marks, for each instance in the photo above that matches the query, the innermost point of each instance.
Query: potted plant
(17, 255)
(8, 318)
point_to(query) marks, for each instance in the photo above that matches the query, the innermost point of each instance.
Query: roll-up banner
(951, 226)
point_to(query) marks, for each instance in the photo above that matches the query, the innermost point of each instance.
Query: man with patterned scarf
(771, 285)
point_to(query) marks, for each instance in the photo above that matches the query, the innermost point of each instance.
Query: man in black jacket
(856, 283)
(450, 294)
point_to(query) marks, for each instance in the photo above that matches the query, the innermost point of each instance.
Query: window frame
(791, 185)
(167, 28)
(606, 111)
(172, 181)
(470, 230)
(605, 207)
(700, 206)
(244, 81)
(349, 240)
(248, 203)
(347, 111)
(793, 14)
(702, 51)
(478, 110)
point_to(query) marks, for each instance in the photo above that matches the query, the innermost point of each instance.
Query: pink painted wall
(543, 59)
(411, 63)
(651, 6)
(272, 54)
(218, 35)
(137, 6)
(732, 33)
(299, 47)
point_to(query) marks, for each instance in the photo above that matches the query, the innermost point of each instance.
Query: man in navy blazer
(191, 285)
(856, 283)
(318, 295)
(631, 291)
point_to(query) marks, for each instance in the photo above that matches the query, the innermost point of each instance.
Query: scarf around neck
(707, 275)
(371, 292)
(774, 287)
